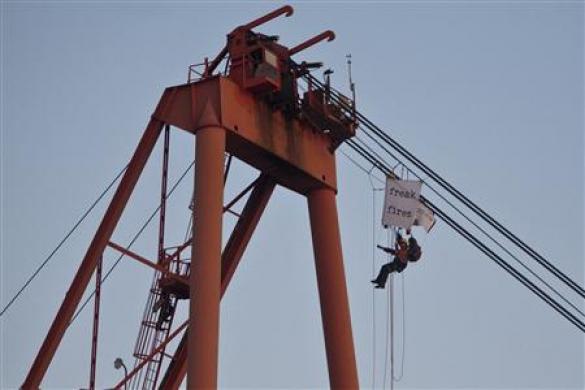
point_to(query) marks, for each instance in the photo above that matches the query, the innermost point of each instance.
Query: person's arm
(386, 249)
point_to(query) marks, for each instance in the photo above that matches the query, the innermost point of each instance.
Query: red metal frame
(146, 262)
(153, 353)
(226, 116)
(232, 254)
(329, 35)
(95, 250)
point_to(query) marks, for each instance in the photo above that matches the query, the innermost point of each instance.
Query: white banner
(401, 203)
(424, 217)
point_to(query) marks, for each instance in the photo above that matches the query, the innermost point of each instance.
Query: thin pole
(163, 195)
(205, 277)
(96, 321)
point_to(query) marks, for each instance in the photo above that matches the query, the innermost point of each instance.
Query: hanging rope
(373, 290)
(478, 227)
(399, 378)
(403, 349)
(375, 237)
(389, 303)
(472, 239)
(383, 140)
(391, 237)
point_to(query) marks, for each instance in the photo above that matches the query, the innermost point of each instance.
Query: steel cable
(136, 236)
(452, 190)
(483, 231)
(479, 245)
(54, 251)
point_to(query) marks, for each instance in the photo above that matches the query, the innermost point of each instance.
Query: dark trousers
(395, 266)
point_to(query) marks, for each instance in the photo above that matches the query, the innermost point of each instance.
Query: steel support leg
(232, 254)
(332, 290)
(205, 278)
(95, 250)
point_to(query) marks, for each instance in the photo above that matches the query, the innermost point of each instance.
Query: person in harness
(403, 253)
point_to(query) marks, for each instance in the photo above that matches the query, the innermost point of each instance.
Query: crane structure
(253, 111)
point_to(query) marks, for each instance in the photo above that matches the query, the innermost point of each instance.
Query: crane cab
(256, 61)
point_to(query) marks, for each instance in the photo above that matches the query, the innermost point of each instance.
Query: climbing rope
(391, 238)
(373, 290)
(394, 378)
(403, 349)
(376, 232)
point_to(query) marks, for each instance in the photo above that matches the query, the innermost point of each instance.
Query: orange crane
(254, 112)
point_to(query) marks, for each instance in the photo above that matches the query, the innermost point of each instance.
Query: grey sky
(490, 94)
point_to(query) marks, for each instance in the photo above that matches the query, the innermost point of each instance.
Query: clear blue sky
(490, 94)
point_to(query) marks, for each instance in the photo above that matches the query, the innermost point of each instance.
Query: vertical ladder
(150, 335)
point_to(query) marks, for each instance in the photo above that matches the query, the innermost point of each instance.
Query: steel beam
(156, 266)
(335, 313)
(157, 350)
(231, 257)
(242, 233)
(205, 278)
(92, 256)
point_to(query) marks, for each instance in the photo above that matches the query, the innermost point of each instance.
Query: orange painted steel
(148, 263)
(205, 278)
(296, 155)
(231, 256)
(254, 114)
(242, 233)
(329, 35)
(332, 290)
(158, 349)
(92, 256)
(286, 10)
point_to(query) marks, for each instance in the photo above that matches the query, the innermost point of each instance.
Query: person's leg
(380, 274)
(379, 277)
(383, 274)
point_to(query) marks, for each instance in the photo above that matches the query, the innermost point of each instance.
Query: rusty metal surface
(286, 10)
(329, 35)
(290, 150)
(254, 114)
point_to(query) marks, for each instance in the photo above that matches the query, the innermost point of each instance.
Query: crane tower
(254, 112)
